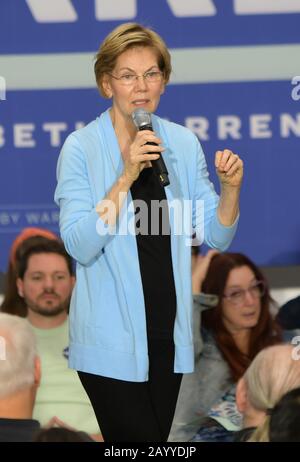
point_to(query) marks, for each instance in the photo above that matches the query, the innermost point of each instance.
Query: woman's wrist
(126, 180)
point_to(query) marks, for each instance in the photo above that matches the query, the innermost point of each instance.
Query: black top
(18, 430)
(154, 250)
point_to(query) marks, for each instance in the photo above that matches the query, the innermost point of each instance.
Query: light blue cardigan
(107, 314)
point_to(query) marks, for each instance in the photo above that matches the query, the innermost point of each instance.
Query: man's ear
(241, 396)
(73, 280)
(20, 287)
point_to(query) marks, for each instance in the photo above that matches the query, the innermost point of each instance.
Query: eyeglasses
(237, 296)
(130, 79)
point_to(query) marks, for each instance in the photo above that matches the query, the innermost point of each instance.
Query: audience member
(45, 281)
(284, 426)
(20, 374)
(62, 435)
(12, 302)
(233, 332)
(288, 315)
(272, 374)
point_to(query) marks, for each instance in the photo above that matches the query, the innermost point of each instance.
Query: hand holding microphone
(139, 156)
(142, 120)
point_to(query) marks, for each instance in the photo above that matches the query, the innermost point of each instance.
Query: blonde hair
(122, 38)
(17, 362)
(272, 373)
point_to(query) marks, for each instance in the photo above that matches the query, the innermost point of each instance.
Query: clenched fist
(229, 168)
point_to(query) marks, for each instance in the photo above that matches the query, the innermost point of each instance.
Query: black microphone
(142, 121)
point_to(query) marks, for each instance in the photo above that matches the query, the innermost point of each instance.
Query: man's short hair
(36, 245)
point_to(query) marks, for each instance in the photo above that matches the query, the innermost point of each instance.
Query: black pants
(137, 411)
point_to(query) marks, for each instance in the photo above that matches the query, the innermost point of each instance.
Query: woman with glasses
(233, 332)
(131, 309)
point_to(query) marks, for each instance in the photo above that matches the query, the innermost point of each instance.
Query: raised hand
(229, 168)
(200, 266)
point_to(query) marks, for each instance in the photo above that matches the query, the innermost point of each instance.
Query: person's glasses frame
(237, 297)
(131, 78)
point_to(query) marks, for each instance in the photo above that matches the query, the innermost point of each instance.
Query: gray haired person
(20, 375)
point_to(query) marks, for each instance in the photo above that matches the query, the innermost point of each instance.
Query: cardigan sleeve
(206, 223)
(84, 233)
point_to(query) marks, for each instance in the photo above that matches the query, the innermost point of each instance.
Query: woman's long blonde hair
(273, 373)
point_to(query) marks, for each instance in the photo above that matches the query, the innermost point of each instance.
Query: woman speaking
(131, 309)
